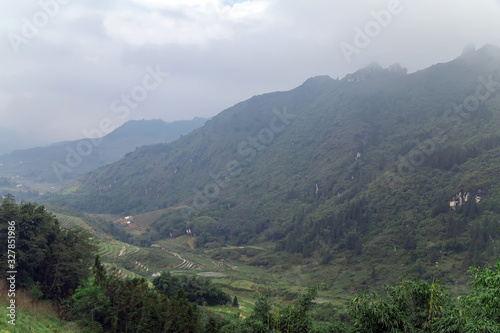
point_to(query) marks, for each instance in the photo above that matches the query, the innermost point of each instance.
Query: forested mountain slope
(332, 168)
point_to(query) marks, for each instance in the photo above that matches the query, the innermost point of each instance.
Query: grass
(244, 284)
(246, 305)
(107, 217)
(32, 316)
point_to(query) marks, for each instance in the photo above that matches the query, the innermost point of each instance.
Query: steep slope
(333, 168)
(66, 161)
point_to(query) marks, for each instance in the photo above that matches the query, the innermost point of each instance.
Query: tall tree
(49, 260)
(235, 302)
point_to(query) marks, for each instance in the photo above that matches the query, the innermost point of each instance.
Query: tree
(50, 261)
(90, 302)
(408, 307)
(68, 261)
(211, 326)
(263, 309)
(182, 315)
(415, 306)
(198, 290)
(294, 318)
(235, 302)
(477, 312)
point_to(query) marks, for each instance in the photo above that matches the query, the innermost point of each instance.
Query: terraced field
(230, 267)
(224, 266)
(141, 261)
(113, 250)
(186, 264)
(70, 221)
(121, 272)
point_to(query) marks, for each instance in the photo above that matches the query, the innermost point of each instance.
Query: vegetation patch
(244, 284)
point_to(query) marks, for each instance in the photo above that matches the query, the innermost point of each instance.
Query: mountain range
(378, 168)
(66, 161)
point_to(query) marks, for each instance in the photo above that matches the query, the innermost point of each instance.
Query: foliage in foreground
(108, 303)
(50, 261)
(415, 306)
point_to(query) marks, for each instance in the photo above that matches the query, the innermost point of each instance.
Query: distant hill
(358, 170)
(66, 161)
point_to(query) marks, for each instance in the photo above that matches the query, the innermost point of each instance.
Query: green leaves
(372, 314)
(89, 301)
(486, 293)
(292, 318)
(416, 306)
(53, 259)
(199, 290)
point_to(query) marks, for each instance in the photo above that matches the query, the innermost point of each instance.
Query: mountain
(66, 161)
(349, 171)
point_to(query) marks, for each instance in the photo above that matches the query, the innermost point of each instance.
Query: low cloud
(64, 77)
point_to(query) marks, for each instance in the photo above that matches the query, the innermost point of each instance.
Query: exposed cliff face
(462, 197)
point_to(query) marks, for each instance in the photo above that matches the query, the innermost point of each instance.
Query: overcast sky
(70, 66)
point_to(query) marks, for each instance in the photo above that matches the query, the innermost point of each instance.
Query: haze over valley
(250, 166)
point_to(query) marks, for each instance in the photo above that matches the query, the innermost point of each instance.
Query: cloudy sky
(73, 66)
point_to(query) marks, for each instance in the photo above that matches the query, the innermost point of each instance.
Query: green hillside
(351, 179)
(33, 316)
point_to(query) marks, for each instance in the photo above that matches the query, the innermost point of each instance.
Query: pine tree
(235, 302)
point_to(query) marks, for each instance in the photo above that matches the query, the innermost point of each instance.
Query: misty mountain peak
(320, 79)
(375, 71)
(469, 49)
(488, 51)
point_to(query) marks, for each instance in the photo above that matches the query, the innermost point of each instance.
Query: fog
(72, 67)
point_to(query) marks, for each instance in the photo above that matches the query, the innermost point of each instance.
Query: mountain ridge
(310, 169)
(67, 160)
(218, 124)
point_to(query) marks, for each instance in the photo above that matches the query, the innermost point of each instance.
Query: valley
(335, 174)
(318, 197)
(240, 270)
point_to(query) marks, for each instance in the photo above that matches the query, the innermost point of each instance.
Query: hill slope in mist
(66, 161)
(344, 170)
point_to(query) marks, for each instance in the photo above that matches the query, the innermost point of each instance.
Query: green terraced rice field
(67, 221)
